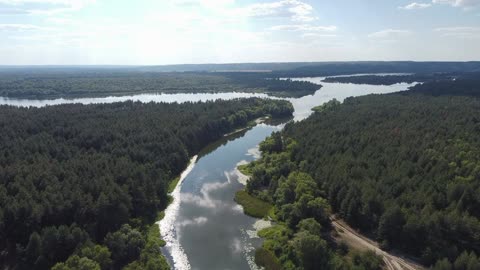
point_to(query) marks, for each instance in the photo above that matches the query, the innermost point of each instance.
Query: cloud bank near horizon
(220, 31)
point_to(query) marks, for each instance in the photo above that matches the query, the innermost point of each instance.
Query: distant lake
(160, 97)
(302, 105)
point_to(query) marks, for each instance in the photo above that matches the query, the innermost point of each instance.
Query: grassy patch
(160, 215)
(271, 213)
(173, 184)
(266, 259)
(153, 236)
(245, 169)
(273, 232)
(252, 206)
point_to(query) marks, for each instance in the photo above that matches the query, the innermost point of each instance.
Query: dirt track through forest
(358, 241)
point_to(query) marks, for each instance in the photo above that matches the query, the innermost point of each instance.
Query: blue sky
(150, 32)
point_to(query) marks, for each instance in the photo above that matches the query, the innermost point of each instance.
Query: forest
(463, 86)
(403, 168)
(47, 83)
(91, 179)
(301, 237)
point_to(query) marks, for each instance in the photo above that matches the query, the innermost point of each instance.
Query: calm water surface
(205, 229)
(160, 97)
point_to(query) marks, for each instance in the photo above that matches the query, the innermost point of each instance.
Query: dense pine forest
(80, 184)
(402, 168)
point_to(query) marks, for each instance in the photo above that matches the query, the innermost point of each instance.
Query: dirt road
(357, 241)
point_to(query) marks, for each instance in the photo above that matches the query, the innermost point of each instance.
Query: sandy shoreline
(257, 121)
(167, 224)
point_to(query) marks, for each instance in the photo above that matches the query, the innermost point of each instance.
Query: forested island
(462, 86)
(402, 168)
(442, 80)
(83, 184)
(46, 83)
(384, 79)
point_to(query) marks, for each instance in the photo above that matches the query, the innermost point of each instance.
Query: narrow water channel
(209, 230)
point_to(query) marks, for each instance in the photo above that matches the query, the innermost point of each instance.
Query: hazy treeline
(345, 68)
(81, 183)
(303, 68)
(442, 80)
(70, 81)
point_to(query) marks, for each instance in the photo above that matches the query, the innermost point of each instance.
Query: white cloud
(293, 9)
(318, 35)
(416, 5)
(459, 31)
(10, 10)
(61, 21)
(203, 2)
(21, 27)
(390, 33)
(70, 3)
(196, 221)
(459, 3)
(46, 7)
(236, 246)
(303, 28)
(205, 200)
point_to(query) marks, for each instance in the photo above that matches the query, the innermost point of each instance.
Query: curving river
(204, 228)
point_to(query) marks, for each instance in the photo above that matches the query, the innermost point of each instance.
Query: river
(204, 228)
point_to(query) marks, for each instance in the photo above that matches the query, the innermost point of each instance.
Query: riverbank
(166, 224)
(249, 125)
(262, 210)
(252, 206)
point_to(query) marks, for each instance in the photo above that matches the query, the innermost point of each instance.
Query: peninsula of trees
(403, 168)
(92, 83)
(81, 184)
(442, 80)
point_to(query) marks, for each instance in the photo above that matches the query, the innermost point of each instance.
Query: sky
(159, 32)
